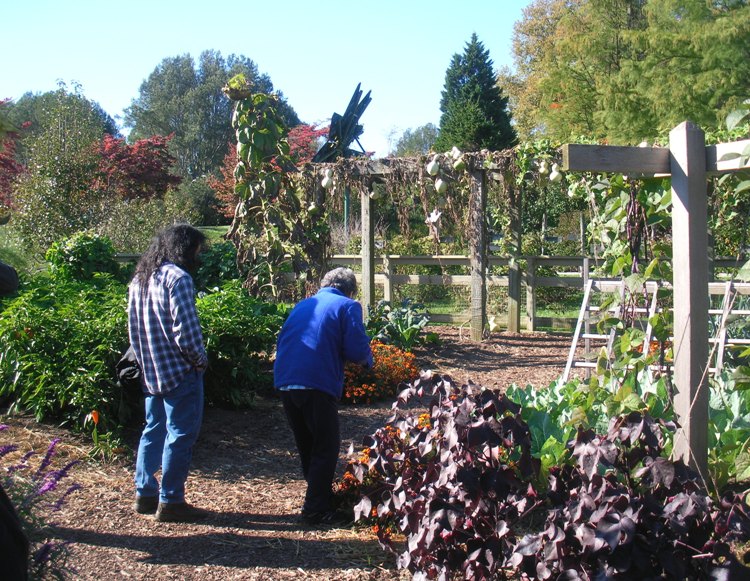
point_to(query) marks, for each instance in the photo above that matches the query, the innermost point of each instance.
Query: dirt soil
(246, 473)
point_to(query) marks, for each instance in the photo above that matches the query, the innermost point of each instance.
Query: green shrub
(218, 265)
(399, 326)
(81, 255)
(240, 334)
(60, 341)
(132, 224)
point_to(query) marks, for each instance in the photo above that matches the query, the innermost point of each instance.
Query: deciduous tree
(140, 170)
(182, 99)
(55, 196)
(626, 70)
(417, 141)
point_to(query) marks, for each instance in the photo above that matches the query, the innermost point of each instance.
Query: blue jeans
(173, 421)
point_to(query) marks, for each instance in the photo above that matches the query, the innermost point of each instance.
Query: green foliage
(131, 225)
(33, 113)
(275, 216)
(474, 111)
(61, 340)
(240, 334)
(596, 68)
(401, 326)
(82, 255)
(630, 223)
(55, 197)
(418, 141)
(199, 199)
(729, 427)
(182, 97)
(555, 413)
(218, 264)
(543, 187)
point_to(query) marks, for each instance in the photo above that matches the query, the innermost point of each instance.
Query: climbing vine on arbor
(276, 215)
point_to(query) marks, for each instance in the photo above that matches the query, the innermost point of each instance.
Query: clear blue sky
(314, 52)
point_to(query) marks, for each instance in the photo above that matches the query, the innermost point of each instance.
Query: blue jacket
(321, 333)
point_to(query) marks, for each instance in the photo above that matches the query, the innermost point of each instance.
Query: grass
(214, 233)
(12, 251)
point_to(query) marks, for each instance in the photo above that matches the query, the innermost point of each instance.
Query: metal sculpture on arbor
(344, 130)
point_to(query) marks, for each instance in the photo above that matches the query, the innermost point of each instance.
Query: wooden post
(530, 294)
(368, 252)
(387, 287)
(586, 273)
(515, 197)
(478, 252)
(689, 243)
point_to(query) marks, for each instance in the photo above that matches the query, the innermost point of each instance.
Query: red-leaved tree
(10, 169)
(223, 186)
(140, 170)
(303, 144)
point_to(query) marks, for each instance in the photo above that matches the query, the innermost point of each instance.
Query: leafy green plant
(218, 265)
(400, 326)
(36, 494)
(61, 340)
(240, 334)
(81, 255)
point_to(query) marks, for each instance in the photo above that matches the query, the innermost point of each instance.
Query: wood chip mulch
(246, 473)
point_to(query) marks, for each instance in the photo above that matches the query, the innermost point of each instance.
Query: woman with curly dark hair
(166, 337)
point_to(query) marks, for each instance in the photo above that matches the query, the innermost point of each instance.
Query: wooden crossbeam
(721, 158)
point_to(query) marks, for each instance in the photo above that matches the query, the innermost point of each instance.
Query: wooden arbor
(481, 167)
(689, 161)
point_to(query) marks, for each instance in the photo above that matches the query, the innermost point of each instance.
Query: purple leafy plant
(457, 491)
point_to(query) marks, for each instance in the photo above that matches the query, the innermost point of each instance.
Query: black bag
(128, 371)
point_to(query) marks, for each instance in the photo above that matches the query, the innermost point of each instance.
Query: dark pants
(314, 419)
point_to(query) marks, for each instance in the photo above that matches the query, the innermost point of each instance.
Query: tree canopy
(474, 111)
(33, 112)
(184, 100)
(627, 70)
(63, 160)
(418, 141)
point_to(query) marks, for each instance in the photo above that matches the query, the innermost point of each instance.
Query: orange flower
(95, 417)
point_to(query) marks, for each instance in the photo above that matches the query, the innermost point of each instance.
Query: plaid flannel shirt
(164, 329)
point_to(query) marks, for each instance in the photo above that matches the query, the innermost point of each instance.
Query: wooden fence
(573, 272)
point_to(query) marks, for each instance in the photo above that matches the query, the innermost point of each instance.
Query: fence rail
(574, 277)
(579, 268)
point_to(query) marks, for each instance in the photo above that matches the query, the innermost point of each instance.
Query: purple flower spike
(47, 458)
(7, 449)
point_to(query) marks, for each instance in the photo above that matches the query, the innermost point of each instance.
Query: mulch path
(246, 473)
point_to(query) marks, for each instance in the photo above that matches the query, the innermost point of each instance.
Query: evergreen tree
(474, 111)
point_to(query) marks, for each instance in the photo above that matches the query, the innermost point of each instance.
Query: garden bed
(246, 473)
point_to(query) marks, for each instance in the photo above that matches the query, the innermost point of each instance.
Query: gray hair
(342, 279)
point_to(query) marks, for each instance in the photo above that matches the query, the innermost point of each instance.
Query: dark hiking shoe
(179, 512)
(326, 518)
(146, 504)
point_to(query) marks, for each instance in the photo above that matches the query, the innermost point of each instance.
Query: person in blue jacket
(321, 333)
